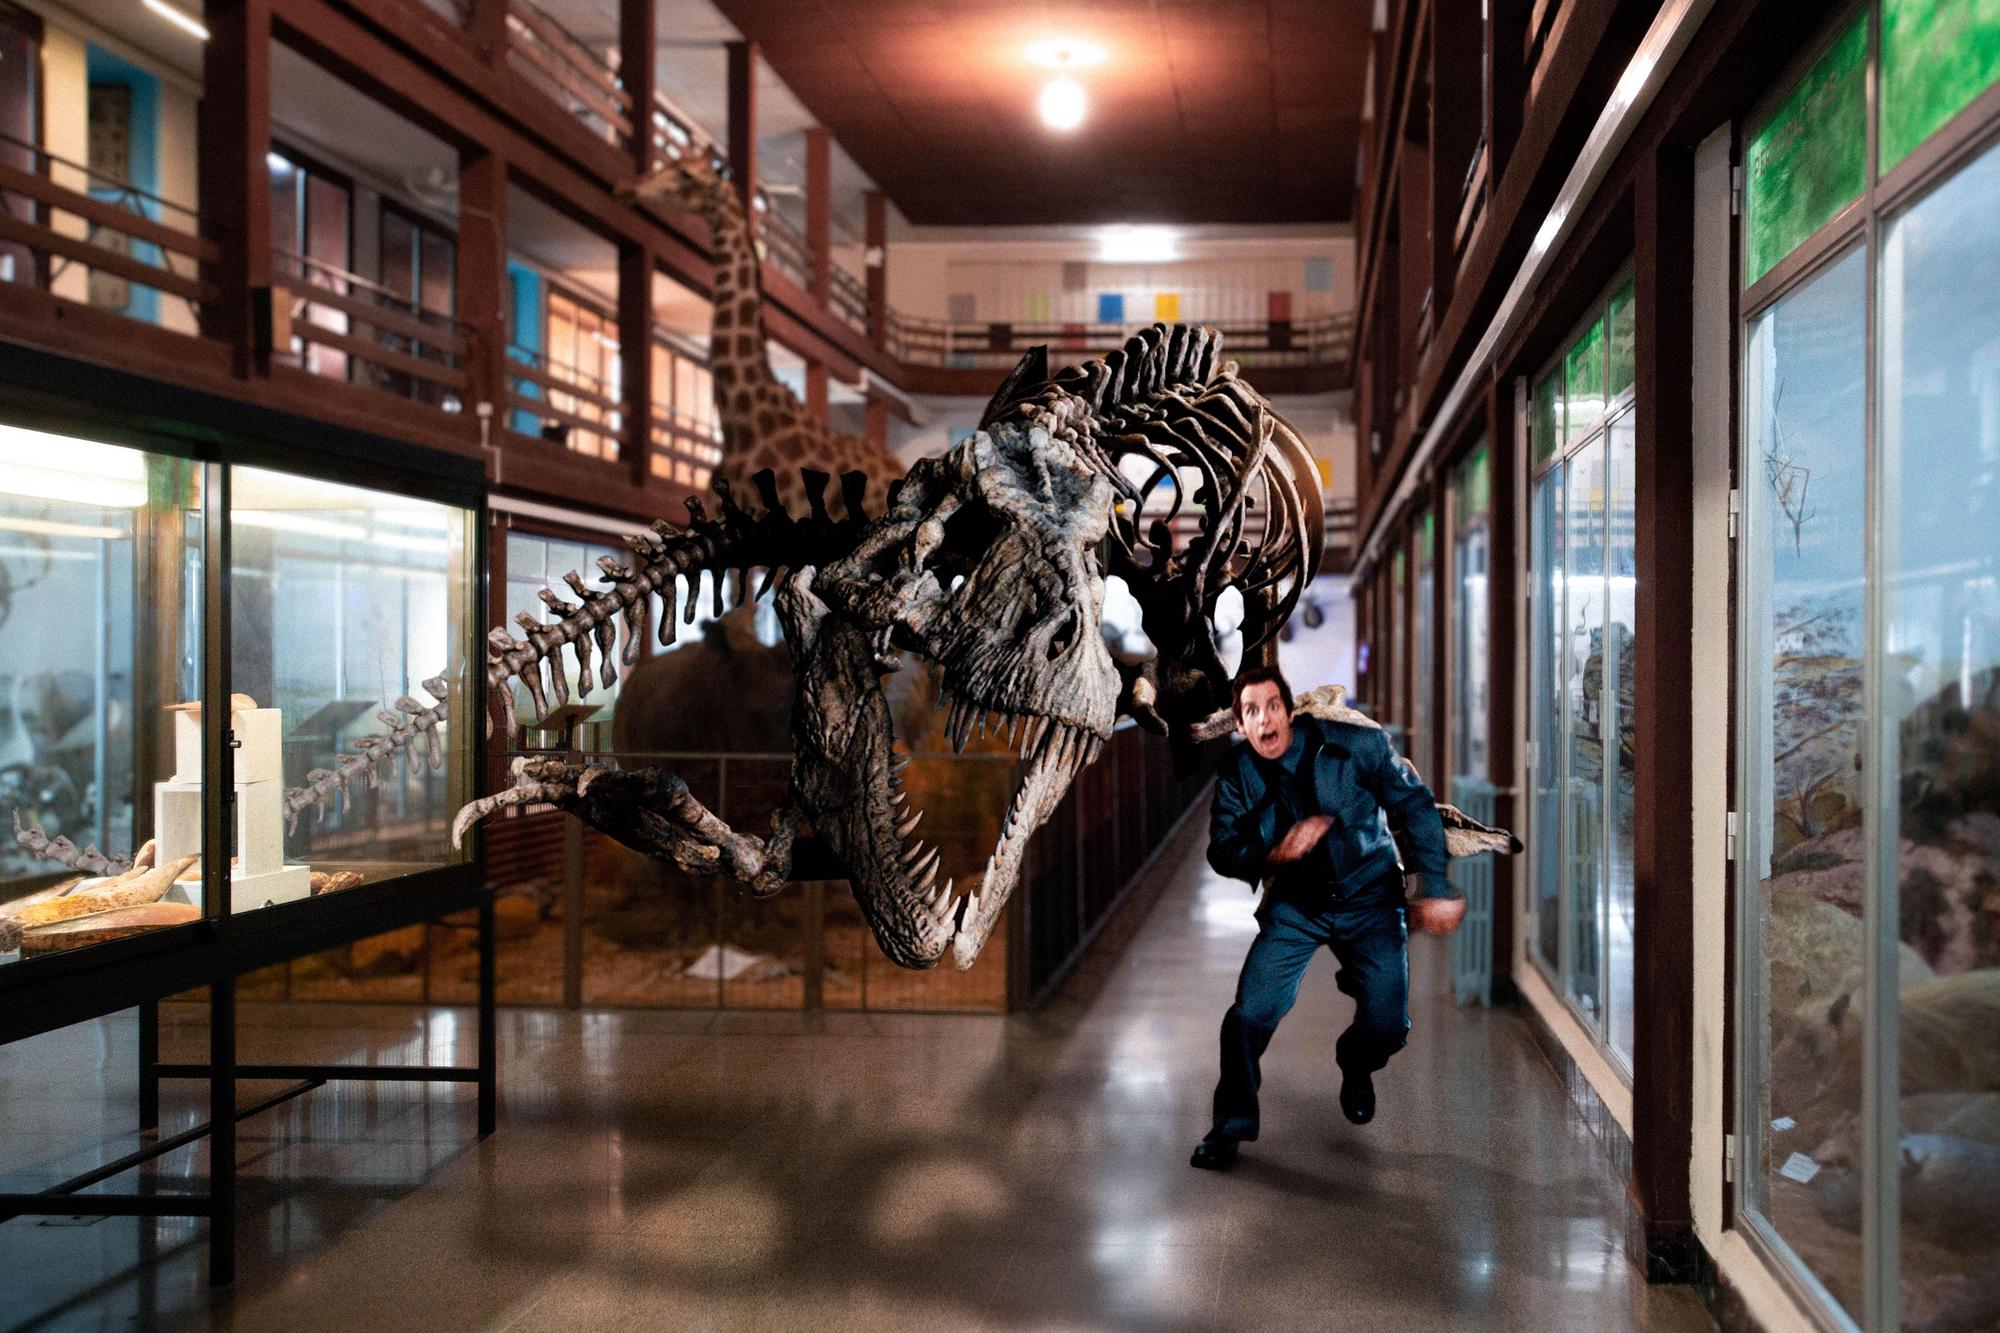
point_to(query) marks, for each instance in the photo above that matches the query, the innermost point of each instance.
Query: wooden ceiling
(1204, 111)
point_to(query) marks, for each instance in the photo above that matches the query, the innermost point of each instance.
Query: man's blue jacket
(1355, 778)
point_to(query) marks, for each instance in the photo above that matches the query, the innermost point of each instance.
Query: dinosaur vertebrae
(60, 849)
(1163, 400)
(736, 541)
(409, 722)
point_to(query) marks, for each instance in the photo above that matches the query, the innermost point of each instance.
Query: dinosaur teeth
(903, 831)
(926, 871)
(912, 852)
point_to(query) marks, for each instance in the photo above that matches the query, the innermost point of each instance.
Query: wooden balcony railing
(563, 404)
(59, 217)
(343, 326)
(577, 77)
(1327, 340)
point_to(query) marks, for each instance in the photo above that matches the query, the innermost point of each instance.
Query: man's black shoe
(1214, 1154)
(1357, 1098)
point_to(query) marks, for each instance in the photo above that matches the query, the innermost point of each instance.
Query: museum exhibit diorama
(215, 759)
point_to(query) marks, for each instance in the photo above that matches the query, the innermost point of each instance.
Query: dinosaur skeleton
(990, 562)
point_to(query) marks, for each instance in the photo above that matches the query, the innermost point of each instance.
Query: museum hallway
(730, 1170)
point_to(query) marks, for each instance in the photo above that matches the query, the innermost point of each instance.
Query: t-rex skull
(987, 566)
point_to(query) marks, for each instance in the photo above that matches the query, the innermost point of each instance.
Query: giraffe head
(693, 182)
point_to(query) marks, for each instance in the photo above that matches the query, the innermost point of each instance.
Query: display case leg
(149, 1066)
(222, 1132)
(489, 1092)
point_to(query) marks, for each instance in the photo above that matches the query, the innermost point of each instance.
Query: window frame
(1556, 973)
(1972, 130)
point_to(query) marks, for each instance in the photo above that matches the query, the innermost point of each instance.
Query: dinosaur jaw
(916, 910)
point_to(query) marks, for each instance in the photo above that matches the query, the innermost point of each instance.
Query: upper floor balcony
(401, 237)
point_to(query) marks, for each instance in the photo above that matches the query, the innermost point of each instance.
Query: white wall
(1223, 278)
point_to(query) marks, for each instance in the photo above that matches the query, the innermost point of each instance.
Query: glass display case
(100, 608)
(350, 619)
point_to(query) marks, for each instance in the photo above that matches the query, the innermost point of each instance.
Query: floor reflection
(769, 1170)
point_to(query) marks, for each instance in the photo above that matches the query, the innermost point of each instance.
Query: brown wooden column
(1663, 833)
(234, 182)
(743, 121)
(875, 258)
(1506, 78)
(876, 421)
(635, 356)
(482, 276)
(816, 389)
(1508, 471)
(486, 20)
(819, 210)
(638, 39)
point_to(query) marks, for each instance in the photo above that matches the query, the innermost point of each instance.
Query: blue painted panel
(1111, 307)
(524, 335)
(103, 67)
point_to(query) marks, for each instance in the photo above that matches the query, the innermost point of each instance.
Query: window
(580, 350)
(312, 234)
(1471, 520)
(1583, 581)
(418, 272)
(1422, 746)
(1869, 633)
(687, 436)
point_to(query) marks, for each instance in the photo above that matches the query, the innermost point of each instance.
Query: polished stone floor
(719, 1171)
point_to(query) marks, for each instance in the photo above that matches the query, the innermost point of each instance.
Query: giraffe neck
(736, 328)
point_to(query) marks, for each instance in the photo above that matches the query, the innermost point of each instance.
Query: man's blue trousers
(1371, 945)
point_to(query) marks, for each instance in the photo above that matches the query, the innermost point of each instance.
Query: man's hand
(1301, 838)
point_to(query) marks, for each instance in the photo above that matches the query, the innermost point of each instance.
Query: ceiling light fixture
(187, 23)
(1063, 103)
(1138, 245)
(1061, 53)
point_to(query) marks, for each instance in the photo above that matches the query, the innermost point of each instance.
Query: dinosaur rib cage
(1153, 413)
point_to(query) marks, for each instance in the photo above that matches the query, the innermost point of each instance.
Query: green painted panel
(1809, 160)
(1474, 486)
(1583, 383)
(1396, 571)
(1427, 537)
(1937, 55)
(1543, 421)
(1624, 339)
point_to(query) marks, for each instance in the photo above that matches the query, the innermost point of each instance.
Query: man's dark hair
(1257, 675)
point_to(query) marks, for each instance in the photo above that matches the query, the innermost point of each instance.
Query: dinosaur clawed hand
(649, 810)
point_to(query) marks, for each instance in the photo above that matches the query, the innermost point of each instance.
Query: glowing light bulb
(1063, 103)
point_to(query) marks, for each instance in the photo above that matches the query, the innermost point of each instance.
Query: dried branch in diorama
(1789, 480)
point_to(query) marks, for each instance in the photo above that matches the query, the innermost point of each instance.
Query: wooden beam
(635, 356)
(743, 121)
(816, 389)
(638, 70)
(482, 272)
(875, 261)
(1663, 807)
(819, 210)
(486, 21)
(235, 183)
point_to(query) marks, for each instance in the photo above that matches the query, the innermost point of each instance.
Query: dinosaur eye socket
(1064, 636)
(969, 533)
